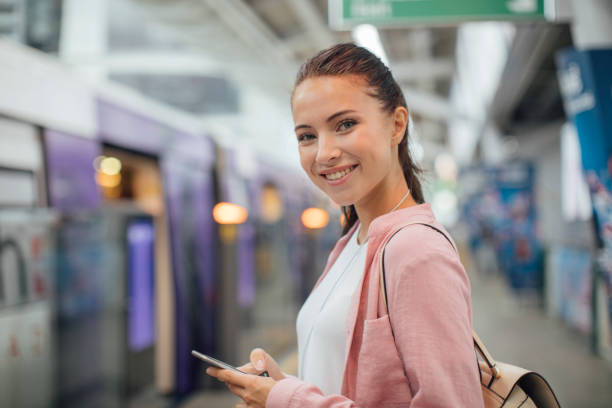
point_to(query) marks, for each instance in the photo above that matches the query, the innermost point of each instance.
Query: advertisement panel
(586, 87)
(569, 283)
(26, 336)
(499, 205)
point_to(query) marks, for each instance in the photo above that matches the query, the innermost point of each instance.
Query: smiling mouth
(339, 174)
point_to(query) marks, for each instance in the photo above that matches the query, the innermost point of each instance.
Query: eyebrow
(332, 117)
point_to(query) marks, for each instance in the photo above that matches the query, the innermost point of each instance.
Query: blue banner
(586, 85)
(500, 210)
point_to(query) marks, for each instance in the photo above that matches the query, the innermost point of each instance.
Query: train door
(184, 238)
(275, 305)
(132, 189)
(189, 191)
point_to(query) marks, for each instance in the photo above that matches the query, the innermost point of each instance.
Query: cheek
(306, 158)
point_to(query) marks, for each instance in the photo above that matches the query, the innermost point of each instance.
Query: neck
(379, 204)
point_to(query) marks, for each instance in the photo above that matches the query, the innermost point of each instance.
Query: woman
(352, 129)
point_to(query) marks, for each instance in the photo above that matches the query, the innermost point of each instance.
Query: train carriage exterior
(118, 284)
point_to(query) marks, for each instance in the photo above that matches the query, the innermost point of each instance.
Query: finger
(236, 390)
(258, 359)
(248, 368)
(233, 377)
(241, 405)
(213, 371)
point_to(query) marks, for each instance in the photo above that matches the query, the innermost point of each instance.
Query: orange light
(108, 180)
(228, 213)
(271, 205)
(342, 220)
(315, 218)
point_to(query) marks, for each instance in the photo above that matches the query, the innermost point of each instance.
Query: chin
(341, 201)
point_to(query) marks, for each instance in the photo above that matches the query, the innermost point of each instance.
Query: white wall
(36, 88)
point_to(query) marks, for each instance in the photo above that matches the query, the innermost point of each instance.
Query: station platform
(516, 332)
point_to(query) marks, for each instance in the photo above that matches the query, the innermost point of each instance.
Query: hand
(260, 362)
(250, 387)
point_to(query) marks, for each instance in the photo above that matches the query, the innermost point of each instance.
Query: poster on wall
(500, 207)
(586, 87)
(26, 335)
(569, 283)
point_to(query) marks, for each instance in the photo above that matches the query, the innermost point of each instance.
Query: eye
(305, 137)
(346, 124)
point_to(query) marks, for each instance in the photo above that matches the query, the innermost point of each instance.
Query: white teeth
(338, 174)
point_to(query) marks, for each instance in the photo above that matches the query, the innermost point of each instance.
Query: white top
(322, 321)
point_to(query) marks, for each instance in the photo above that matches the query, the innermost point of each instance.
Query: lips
(338, 173)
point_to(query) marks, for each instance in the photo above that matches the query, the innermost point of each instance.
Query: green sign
(345, 14)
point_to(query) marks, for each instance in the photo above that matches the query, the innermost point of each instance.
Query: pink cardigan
(428, 360)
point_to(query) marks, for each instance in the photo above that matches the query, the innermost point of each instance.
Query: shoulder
(419, 241)
(423, 256)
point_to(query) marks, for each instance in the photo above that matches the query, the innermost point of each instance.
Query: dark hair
(350, 59)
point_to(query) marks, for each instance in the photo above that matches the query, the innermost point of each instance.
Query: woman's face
(347, 143)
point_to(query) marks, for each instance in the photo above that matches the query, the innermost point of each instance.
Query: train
(130, 234)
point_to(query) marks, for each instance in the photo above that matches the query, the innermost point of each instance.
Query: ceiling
(263, 42)
(268, 40)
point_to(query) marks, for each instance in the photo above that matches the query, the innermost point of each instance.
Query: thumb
(262, 361)
(259, 359)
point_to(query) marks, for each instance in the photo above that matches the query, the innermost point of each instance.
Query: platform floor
(518, 333)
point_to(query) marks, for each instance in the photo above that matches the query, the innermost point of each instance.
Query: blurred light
(108, 180)
(315, 218)
(97, 161)
(271, 204)
(446, 167)
(110, 166)
(366, 35)
(228, 213)
(342, 220)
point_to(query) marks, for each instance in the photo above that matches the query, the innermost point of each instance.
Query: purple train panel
(70, 171)
(189, 194)
(125, 128)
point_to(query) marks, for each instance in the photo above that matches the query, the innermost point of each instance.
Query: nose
(328, 150)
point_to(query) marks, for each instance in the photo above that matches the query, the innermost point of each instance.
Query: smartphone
(220, 364)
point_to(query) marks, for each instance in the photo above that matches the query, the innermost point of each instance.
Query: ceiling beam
(300, 43)
(232, 31)
(530, 47)
(311, 18)
(423, 69)
(430, 105)
(251, 29)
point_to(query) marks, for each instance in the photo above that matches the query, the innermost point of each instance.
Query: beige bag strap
(478, 344)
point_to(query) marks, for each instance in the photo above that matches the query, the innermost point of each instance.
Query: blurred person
(352, 130)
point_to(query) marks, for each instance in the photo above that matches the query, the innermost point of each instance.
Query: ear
(400, 121)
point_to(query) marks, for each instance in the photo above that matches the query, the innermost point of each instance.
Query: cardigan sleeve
(294, 393)
(430, 312)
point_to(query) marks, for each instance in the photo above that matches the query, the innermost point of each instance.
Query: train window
(129, 177)
(18, 188)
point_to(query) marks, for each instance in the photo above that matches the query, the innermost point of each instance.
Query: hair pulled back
(350, 59)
